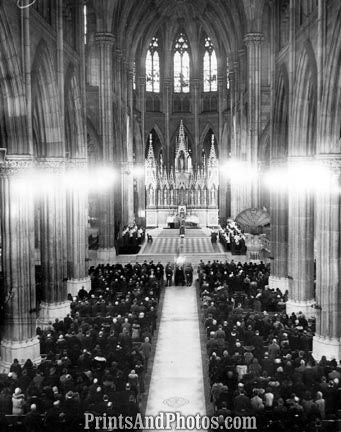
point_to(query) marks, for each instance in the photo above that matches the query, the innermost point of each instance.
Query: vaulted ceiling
(134, 22)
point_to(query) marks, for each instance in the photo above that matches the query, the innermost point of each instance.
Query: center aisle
(177, 383)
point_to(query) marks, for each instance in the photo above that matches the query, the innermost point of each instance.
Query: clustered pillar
(53, 249)
(18, 335)
(253, 43)
(301, 252)
(327, 339)
(240, 192)
(279, 240)
(106, 252)
(77, 238)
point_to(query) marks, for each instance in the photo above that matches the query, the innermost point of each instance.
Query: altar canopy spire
(151, 156)
(212, 158)
(150, 165)
(181, 142)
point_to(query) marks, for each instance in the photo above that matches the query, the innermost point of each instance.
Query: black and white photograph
(170, 215)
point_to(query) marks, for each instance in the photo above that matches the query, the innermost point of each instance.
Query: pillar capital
(253, 38)
(77, 163)
(105, 38)
(279, 163)
(331, 160)
(13, 165)
(56, 165)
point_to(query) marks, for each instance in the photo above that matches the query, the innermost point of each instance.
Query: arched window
(181, 64)
(210, 67)
(153, 67)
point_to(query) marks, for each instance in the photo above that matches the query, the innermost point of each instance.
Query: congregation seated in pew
(93, 360)
(260, 358)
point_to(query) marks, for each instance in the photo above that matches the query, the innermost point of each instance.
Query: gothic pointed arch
(303, 141)
(208, 126)
(46, 105)
(75, 144)
(94, 152)
(279, 145)
(330, 120)
(209, 140)
(13, 118)
(264, 145)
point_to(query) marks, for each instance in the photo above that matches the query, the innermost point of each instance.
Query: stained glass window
(210, 67)
(181, 64)
(153, 67)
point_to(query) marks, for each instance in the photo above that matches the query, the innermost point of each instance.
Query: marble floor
(177, 377)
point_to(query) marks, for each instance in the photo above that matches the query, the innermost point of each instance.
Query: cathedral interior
(125, 118)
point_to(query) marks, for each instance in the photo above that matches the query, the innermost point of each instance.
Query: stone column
(77, 234)
(106, 252)
(167, 83)
(279, 236)
(18, 307)
(327, 339)
(253, 44)
(128, 165)
(196, 92)
(142, 107)
(240, 151)
(301, 249)
(223, 149)
(237, 98)
(127, 181)
(140, 149)
(235, 147)
(232, 107)
(53, 247)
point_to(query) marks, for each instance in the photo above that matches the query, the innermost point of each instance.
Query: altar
(191, 221)
(187, 190)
